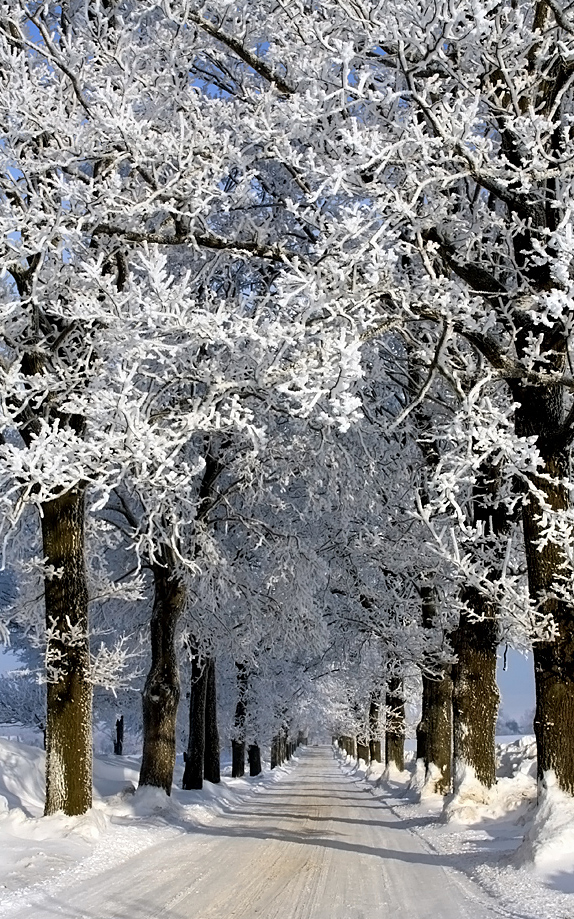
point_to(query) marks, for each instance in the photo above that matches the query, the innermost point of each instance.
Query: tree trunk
(395, 733)
(254, 755)
(541, 413)
(162, 689)
(374, 733)
(285, 745)
(211, 764)
(275, 752)
(434, 732)
(238, 742)
(475, 692)
(69, 690)
(363, 751)
(475, 695)
(119, 741)
(195, 755)
(350, 746)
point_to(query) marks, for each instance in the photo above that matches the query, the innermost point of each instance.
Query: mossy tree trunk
(475, 642)
(435, 731)
(162, 687)
(543, 416)
(69, 690)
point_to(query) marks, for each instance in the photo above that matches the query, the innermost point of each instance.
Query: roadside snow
(47, 853)
(521, 853)
(517, 849)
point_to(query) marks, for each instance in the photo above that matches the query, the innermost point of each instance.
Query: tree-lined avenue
(312, 845)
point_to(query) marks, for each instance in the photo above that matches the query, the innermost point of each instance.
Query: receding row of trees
(286, 381)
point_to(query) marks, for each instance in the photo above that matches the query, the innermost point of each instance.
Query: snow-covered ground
(511, 858)
(48, 852)
(518, 850)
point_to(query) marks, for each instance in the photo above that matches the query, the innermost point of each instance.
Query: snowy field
(521, 858)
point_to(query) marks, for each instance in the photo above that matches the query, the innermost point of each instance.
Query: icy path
(312, 846)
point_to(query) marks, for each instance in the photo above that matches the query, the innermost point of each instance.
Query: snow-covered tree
(439, 134)
(116, 344)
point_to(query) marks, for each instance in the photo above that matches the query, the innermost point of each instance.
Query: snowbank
(37, 850)
(549, 841)
(520, 851)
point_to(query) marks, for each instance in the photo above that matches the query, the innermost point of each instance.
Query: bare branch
(264, 70)
(206, 242)
(562, 18)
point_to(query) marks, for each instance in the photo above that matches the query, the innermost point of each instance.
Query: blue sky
(516, 684)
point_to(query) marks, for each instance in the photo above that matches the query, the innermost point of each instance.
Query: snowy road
(312, 846)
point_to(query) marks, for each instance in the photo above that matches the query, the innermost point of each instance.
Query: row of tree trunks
(202, 758)
(282, 747)
(349, 745)
(371, 750)
(238, 742)
(363, 750)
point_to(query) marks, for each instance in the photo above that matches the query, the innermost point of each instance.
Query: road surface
(311, 846)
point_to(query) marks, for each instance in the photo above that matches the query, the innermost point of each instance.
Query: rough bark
(238, 741)
(69, 691)
(254, 755)
(541, 413)
(162, 687)
(211, 762)
(395, 733)
(434, 731)
(195, 754)
(475, 641)
(475, 695)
